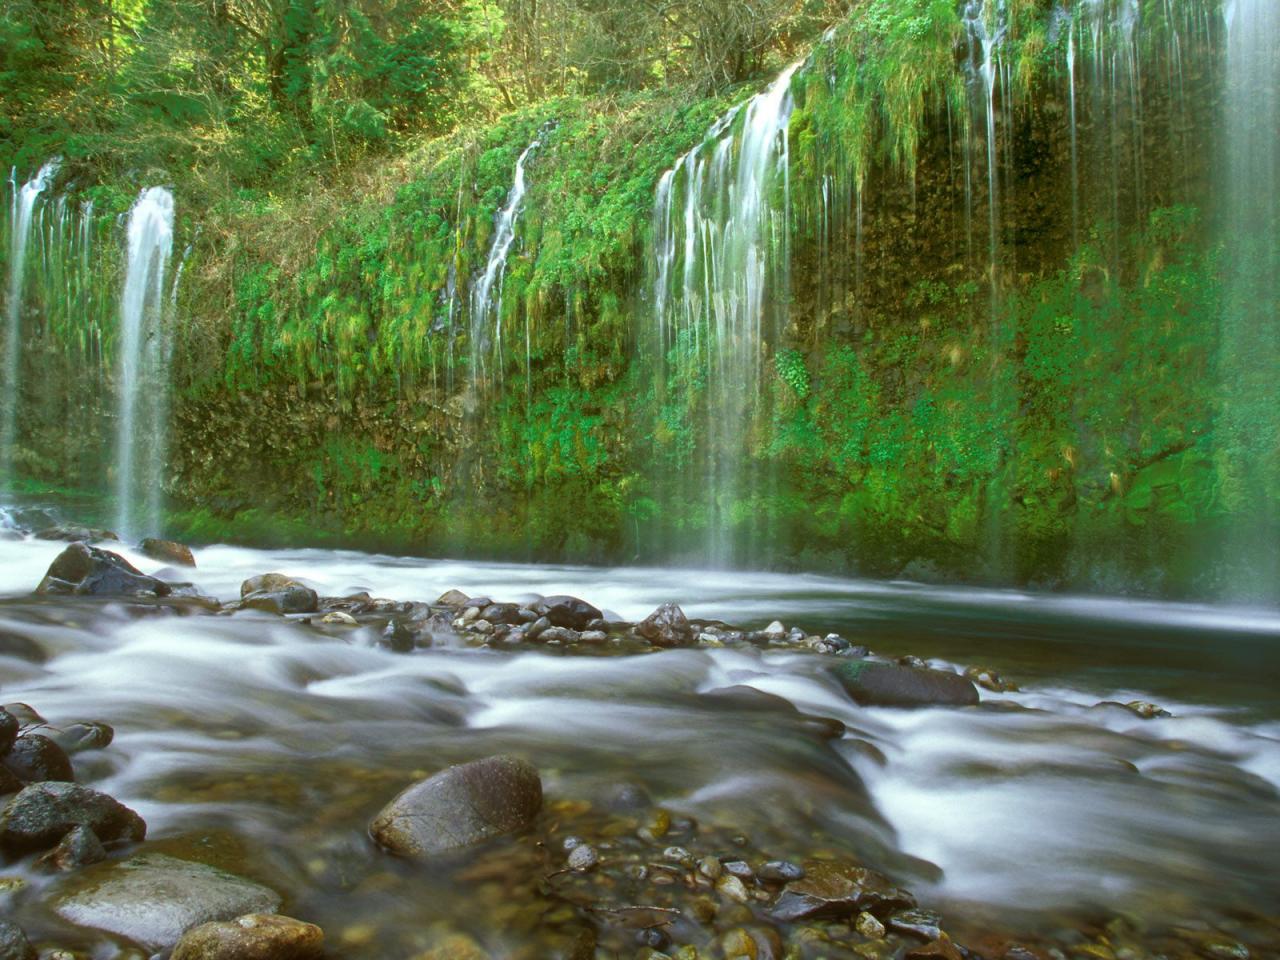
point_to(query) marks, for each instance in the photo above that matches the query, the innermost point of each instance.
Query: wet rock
(8, 729)
(25, 714)
(455, 946)
(8, 783)
(988, 679)
(780, 871)
(14, 944)
(558, 635)
(23, 648)
(775, 630)
(711, 868)
(924, 924)
(1146, 710)
(154, 899)
(43, 813)
(88, 571)
(595, 637)
(583, 857)
(889, 685)
(339, 618)
(398, 637)
(79, 848)
(452, 598)
(534, 630)
(733, 888)
(75, 533)
(740, 869)
(292, 597)
(667, 627)
(83, 735)
(940, 949)
(869, 926)
(831, 889)
(35, 758)
(168, 551)
(565, 611)
(460, 806)
(501, 613)
(255, 936)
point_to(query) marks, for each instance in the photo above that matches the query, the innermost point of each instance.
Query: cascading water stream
(719, 283)
(23, 211)
(142, 426)
(486, 294)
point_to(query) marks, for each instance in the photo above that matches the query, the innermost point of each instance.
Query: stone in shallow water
(667, 627)
(154, 899)
(255, 936)
(831, 889)
(13, 943)
(460, 806)
(168, 551)
(565, 611)
(85, 570)
(79, 848)
(889, 685)
(34, 758)
(8, 729)
(82, 735)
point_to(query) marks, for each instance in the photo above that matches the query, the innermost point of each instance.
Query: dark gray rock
(8, 783)
(25, 714)
(168, 551)
(43, 813)
(535, 629)
(507, 613)
(398, 636)
(34, 758)
(74, 533)
(667, 627)
(83, 735)
(14, 944)
(79, 848)
(889, 685)
(924, 924)
(780, 871)
(460, 806)
(23, 648)
(292, 598)
(565, 611)
(830, 889)
(557, 635)
(8, 729)
(84, 570)
(154, 899)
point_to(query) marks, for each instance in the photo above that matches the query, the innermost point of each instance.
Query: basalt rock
(84, 570)
(889, 685)
(667, 627)
(43, 813)
(168, 551)
(35, 758)
(565, 611)
(459, 807)
(154, 899)
(829, 889)
(255, 936)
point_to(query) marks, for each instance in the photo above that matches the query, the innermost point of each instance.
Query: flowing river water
(265, 746)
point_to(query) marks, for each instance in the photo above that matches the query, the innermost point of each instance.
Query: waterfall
(142, 427)
(986, 25)
(22, 215)
(1250, 350)
(719, 284)
(486, 294)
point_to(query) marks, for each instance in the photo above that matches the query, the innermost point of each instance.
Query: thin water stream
(266, 746)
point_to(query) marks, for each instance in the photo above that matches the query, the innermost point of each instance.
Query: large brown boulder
(460, 806)
(85, 570)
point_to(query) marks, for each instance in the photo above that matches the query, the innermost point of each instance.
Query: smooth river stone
(154, 899)
(257, 936)
(460, 806)
(888, 685)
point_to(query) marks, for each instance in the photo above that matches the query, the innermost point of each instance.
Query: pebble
(780, 871)
(677, 855)
(710, 867)
(583, 858)
(339, 618)
(733, 888)
(740, 869)
(869, 926)
(775, 629)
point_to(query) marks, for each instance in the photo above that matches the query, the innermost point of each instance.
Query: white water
(1039, 801)
(486, 294)
(719, 283)
(20, 221)
(143, 384)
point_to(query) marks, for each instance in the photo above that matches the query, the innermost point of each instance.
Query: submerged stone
(829, 889)
(14, 944)
(255, 936)
(889, 685)
(154, 899)
(460, 806)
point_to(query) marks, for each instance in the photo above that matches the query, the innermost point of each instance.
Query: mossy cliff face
(1027, 396)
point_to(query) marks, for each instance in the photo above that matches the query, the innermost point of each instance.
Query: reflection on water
(268, 745)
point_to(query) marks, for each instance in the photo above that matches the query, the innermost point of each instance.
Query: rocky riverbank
(564, 871)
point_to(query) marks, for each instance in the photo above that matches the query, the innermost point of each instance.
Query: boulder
(452, 598)
(564, 611)
(667, 627)
(889, 685)
(830, 889)
(43, 813)
(278, 594)
(154, 899)
(14, 944)
(85, 570)
(168, 551)
(460, 806)
(8, 729)
(35, 758)
(255, 936)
